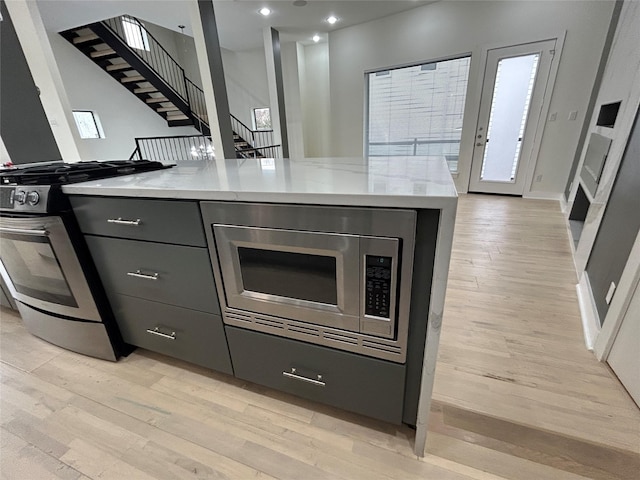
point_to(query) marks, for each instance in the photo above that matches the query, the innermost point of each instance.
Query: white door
(624, 357)
(513, 91)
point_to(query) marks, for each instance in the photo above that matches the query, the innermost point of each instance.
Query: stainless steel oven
(41, 267)
(338, 276)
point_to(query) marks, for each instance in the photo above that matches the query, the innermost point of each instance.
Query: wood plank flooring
(517, 395)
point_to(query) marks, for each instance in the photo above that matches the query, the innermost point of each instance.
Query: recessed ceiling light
(316, 38)
(332, 19)
(265, 12)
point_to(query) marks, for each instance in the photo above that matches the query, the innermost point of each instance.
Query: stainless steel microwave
(337, 276)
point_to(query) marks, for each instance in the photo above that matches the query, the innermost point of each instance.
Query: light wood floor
(517, 395)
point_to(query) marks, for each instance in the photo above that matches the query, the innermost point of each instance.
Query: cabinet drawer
(181, 333)
(168, 221)
(184, 277)
(360, 384)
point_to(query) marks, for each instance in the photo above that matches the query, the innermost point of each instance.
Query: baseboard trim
(544, 196)
(588, 312)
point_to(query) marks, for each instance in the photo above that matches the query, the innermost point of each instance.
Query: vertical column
(33, 38)
(276, 88)
(205, 34)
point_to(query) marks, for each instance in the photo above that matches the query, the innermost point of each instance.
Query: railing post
(415, 146)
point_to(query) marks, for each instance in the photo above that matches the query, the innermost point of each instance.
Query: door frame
(530, 169)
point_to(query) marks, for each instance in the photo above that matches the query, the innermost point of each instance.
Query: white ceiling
(239, 24)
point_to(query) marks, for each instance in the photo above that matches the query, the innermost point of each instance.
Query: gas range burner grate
(64, 173)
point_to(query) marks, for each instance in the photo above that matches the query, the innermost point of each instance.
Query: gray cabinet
(353, 382)
(196, 337)
(166, 221)
(172, 274)
(152, 259)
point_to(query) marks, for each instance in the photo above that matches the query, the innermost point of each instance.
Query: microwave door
(306, 276)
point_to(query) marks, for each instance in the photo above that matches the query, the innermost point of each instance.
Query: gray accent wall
(24, 126)
(619, 227)
(277, 58)
(594, 95)
(214, 54)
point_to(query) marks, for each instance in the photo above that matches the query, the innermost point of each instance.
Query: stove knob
(21, 197)
(33, 198)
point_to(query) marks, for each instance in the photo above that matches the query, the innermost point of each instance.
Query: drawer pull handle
(156, 331)
(139, 274)
(292, 374)
(120, 221)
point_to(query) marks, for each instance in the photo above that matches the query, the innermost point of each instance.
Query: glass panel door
(513, 92)
(509, 110)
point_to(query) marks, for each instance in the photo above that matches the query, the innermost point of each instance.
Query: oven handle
(25, 231)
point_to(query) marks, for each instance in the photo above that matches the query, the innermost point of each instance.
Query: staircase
(128, 52)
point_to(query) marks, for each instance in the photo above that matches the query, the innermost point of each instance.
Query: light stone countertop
(402, 182)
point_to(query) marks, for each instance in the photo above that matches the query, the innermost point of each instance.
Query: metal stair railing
(156, 57)
(160, 62)
(153, 53)
(255, 138)
(174, 149)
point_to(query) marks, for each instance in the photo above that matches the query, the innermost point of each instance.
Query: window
(262, 118)
(418, 110)
(88, 124)
(134, 33)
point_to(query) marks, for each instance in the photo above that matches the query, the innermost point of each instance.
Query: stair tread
(117, 66)
(145, 90)
(133, 78)
(85, 38)
(102, 53)
(168, 109)
(157, 100)
(180, 116)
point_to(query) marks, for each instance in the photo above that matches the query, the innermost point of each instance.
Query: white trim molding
(588, 311)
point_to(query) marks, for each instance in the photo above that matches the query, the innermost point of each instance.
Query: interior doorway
(513, 91)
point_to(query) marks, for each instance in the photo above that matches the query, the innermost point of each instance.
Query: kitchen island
(418, 188)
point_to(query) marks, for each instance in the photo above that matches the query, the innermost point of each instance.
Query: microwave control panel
(378, 286)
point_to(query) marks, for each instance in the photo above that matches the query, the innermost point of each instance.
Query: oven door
(41, 268)
(306, 276)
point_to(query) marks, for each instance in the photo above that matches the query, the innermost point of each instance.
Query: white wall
(123, 116)
(315, 92)
(292, 100)
(451, 28)
(245, 74)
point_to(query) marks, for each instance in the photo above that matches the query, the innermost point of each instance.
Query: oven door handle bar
(312, 381)
(156, 331)
(120, 221)
(139, 274)
(25, 231)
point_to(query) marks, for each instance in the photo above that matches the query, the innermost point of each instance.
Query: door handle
(120, 221)
(156, 331)
(293, 375)
(139, 274)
